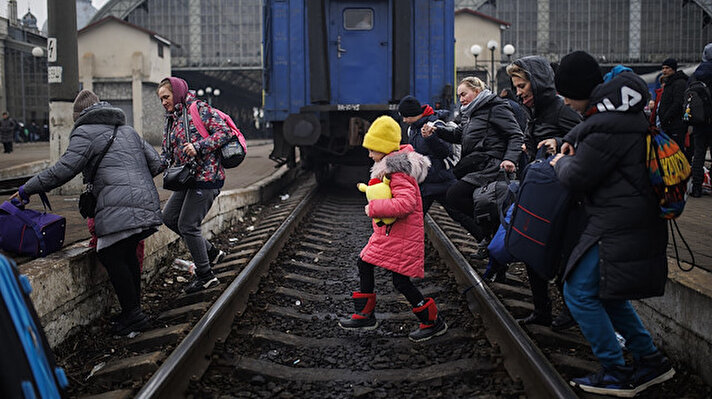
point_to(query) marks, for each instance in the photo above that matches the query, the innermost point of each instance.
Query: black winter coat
(703, 73)
(126, 195)
(609, 168)
(670, 108)
(489, 134)
(440, 177)
(550, 117)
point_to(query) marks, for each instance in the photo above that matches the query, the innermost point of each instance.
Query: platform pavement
(255, 167)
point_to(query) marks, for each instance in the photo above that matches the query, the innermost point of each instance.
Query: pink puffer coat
(399, 247)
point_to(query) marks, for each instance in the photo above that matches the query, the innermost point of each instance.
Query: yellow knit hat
(384, 135)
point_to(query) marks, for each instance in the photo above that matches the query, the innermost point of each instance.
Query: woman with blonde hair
(491, 140)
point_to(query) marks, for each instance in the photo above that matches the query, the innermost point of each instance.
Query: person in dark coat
(621, 254)
(670, 106)
(702, 134)
(127, 204)
(440, 153)
(491, 140)
(7, 132)
(550, 120)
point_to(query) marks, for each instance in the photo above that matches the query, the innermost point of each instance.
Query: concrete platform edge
(71, 288)
(680, 322)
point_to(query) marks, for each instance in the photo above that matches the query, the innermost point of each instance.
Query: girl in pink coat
(398, 247)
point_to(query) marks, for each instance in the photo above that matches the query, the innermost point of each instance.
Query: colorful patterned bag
(669, 172)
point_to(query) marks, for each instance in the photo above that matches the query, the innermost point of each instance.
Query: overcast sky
(38, 8)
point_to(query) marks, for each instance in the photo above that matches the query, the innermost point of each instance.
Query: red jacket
(399, 247)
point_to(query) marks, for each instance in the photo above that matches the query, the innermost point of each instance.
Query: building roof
(129, 24)
(481, 15)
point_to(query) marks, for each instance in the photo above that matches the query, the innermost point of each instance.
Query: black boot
(431, 325)
(541, 314)
(364, 318)
(133, 321)
(563, 321)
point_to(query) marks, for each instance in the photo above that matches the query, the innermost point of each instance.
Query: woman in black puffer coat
(491, 140)
(127, 204)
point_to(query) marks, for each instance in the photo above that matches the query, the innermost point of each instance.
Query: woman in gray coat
(127, 207)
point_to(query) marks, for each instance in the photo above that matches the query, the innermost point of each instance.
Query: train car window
(358, 19)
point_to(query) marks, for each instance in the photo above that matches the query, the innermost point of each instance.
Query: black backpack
(697, 104)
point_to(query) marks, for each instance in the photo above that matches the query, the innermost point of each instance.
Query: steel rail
(191, 357)
(523, 359)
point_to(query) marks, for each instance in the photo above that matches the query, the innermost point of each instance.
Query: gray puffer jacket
(126, 196)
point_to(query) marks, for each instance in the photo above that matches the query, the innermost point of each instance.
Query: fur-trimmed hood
(405, 160)
(101, 113)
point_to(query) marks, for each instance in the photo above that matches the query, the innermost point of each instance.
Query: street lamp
(492, 46)
(476, 49)
(210, 93)
(508, 50)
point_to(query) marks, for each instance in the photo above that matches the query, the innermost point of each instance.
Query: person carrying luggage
(127, 204)
(491, 140)
(182, 144)
(621, 254)
(550, 120)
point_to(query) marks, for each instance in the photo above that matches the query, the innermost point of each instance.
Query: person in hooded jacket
(670, 107)
(440, 176)
(702, 134)
(182, 143)
(549, 121)
(621, 254)
(397, 247)
(127, 204)
(491, 140)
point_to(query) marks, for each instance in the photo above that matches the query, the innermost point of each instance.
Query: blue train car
(331, 67)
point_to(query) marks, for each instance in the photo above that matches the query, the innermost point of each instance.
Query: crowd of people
(12, 131)
(592, 126)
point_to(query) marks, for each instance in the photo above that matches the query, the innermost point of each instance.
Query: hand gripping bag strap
(101, 156)
(28, 332)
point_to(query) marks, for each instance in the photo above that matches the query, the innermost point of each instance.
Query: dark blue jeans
(600, 319)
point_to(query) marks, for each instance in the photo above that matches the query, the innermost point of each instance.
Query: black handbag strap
(101, 156)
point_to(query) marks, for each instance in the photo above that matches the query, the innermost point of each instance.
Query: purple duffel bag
(29, 232)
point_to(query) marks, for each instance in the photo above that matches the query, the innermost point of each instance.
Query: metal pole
(63, 79)
(62, 53)
(492, 71)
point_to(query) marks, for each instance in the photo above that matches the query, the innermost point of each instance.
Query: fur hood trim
(405, 160)
(101, 113)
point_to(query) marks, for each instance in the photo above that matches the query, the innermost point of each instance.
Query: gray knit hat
(84, 100)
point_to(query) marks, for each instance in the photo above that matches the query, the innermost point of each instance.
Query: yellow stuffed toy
(378, 189)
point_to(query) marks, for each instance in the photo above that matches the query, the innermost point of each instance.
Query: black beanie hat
(578, 75)
(671, 62)
(409, 106)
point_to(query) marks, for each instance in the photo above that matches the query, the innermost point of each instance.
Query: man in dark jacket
(670, 107)
(440, 176)
(550, 120)
(7, 131)
(621, 254)
(702, 134)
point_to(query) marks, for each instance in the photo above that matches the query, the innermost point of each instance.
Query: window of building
(160, 50)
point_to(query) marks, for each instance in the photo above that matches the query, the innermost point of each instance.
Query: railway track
(273, 332)
(287, 342)
(10, 185)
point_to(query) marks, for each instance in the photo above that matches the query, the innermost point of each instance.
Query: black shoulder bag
(87, 200)
(179, 178)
